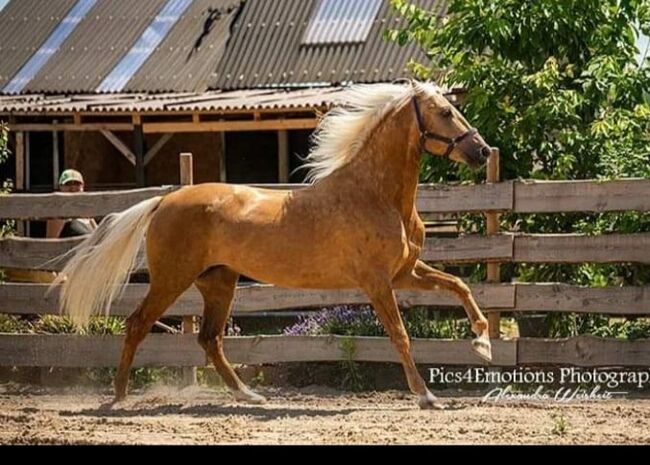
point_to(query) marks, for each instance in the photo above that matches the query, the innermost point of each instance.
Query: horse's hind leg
(217, 286)
(138, 325)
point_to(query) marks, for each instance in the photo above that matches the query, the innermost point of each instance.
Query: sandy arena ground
(164, 415)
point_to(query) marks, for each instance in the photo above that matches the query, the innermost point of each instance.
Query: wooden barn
(116, 88)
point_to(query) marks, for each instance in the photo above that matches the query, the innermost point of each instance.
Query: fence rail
(495, 297)
(183, 350)
(19, 298)
(515, 196)
(47, 254)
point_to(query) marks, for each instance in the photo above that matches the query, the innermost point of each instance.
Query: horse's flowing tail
(101, 264)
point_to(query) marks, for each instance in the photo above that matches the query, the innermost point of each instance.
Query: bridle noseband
(425, 135)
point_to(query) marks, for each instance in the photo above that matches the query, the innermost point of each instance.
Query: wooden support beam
(20, 161)
(283, 156)
(160, 143)
(492, 218)
(47, 127)
(138, 147)
(222, 159)
(218, 126)
(189, 322)
(20, 173)
(119, 145)
(55, 158)
(187, 169)
(28, 178)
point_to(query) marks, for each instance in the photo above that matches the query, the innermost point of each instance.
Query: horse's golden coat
(355, 227)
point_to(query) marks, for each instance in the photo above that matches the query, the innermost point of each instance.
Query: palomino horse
(354, 226)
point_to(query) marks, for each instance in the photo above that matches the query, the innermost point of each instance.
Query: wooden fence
(493, 296)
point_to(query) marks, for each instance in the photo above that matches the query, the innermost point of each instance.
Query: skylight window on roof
(145, 45)
(341, 21)
(49, 47)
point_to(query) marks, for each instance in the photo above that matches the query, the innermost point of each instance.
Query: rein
(425, 135)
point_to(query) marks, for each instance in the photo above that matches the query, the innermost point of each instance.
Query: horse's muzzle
(476, 151)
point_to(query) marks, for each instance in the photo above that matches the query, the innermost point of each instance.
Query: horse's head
(443, 130)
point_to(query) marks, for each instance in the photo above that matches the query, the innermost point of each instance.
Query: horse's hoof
(482, 347)
(429, 402)
(249, 397)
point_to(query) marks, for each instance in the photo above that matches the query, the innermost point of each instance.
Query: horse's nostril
(486, 151)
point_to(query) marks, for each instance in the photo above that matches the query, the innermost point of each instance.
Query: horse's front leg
(424, 277)
(385, 304)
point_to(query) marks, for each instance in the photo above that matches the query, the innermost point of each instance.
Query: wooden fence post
(189, 322)
(20, 174)
(492, 218)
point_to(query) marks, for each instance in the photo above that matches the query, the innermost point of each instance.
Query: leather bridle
(452, 142)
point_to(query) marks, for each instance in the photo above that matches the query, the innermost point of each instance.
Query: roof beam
(156, 147)
(224, 126)
(48, 127)
(119, 145)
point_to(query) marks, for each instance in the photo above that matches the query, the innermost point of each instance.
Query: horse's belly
(295, 271)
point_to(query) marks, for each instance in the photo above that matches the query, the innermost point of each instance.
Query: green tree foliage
(558, 87)
(6, 227)
(554, 84)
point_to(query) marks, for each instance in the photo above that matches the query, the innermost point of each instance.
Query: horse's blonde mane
(345, 129)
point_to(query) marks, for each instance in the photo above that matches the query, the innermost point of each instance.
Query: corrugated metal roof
(24, 26)
(188, 57)
(246, 100)
(96, 45)
(265, 49)
(150, 39)
(51, 45)
(186, 60)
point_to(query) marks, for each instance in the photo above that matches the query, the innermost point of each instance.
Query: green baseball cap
(70, 176)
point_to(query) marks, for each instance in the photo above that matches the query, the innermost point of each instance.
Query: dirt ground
(165, 415)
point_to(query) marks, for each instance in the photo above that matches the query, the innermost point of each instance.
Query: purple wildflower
(340, 319)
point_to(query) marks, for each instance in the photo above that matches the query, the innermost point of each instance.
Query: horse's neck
(388, 164)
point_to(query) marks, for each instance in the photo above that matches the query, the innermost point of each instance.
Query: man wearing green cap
(70, 181)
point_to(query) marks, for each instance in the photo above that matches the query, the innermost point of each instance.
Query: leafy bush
(6, 227)
(13, 324)
(568, 325)
(53, 324)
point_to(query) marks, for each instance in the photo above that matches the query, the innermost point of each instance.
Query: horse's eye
(446, 112)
